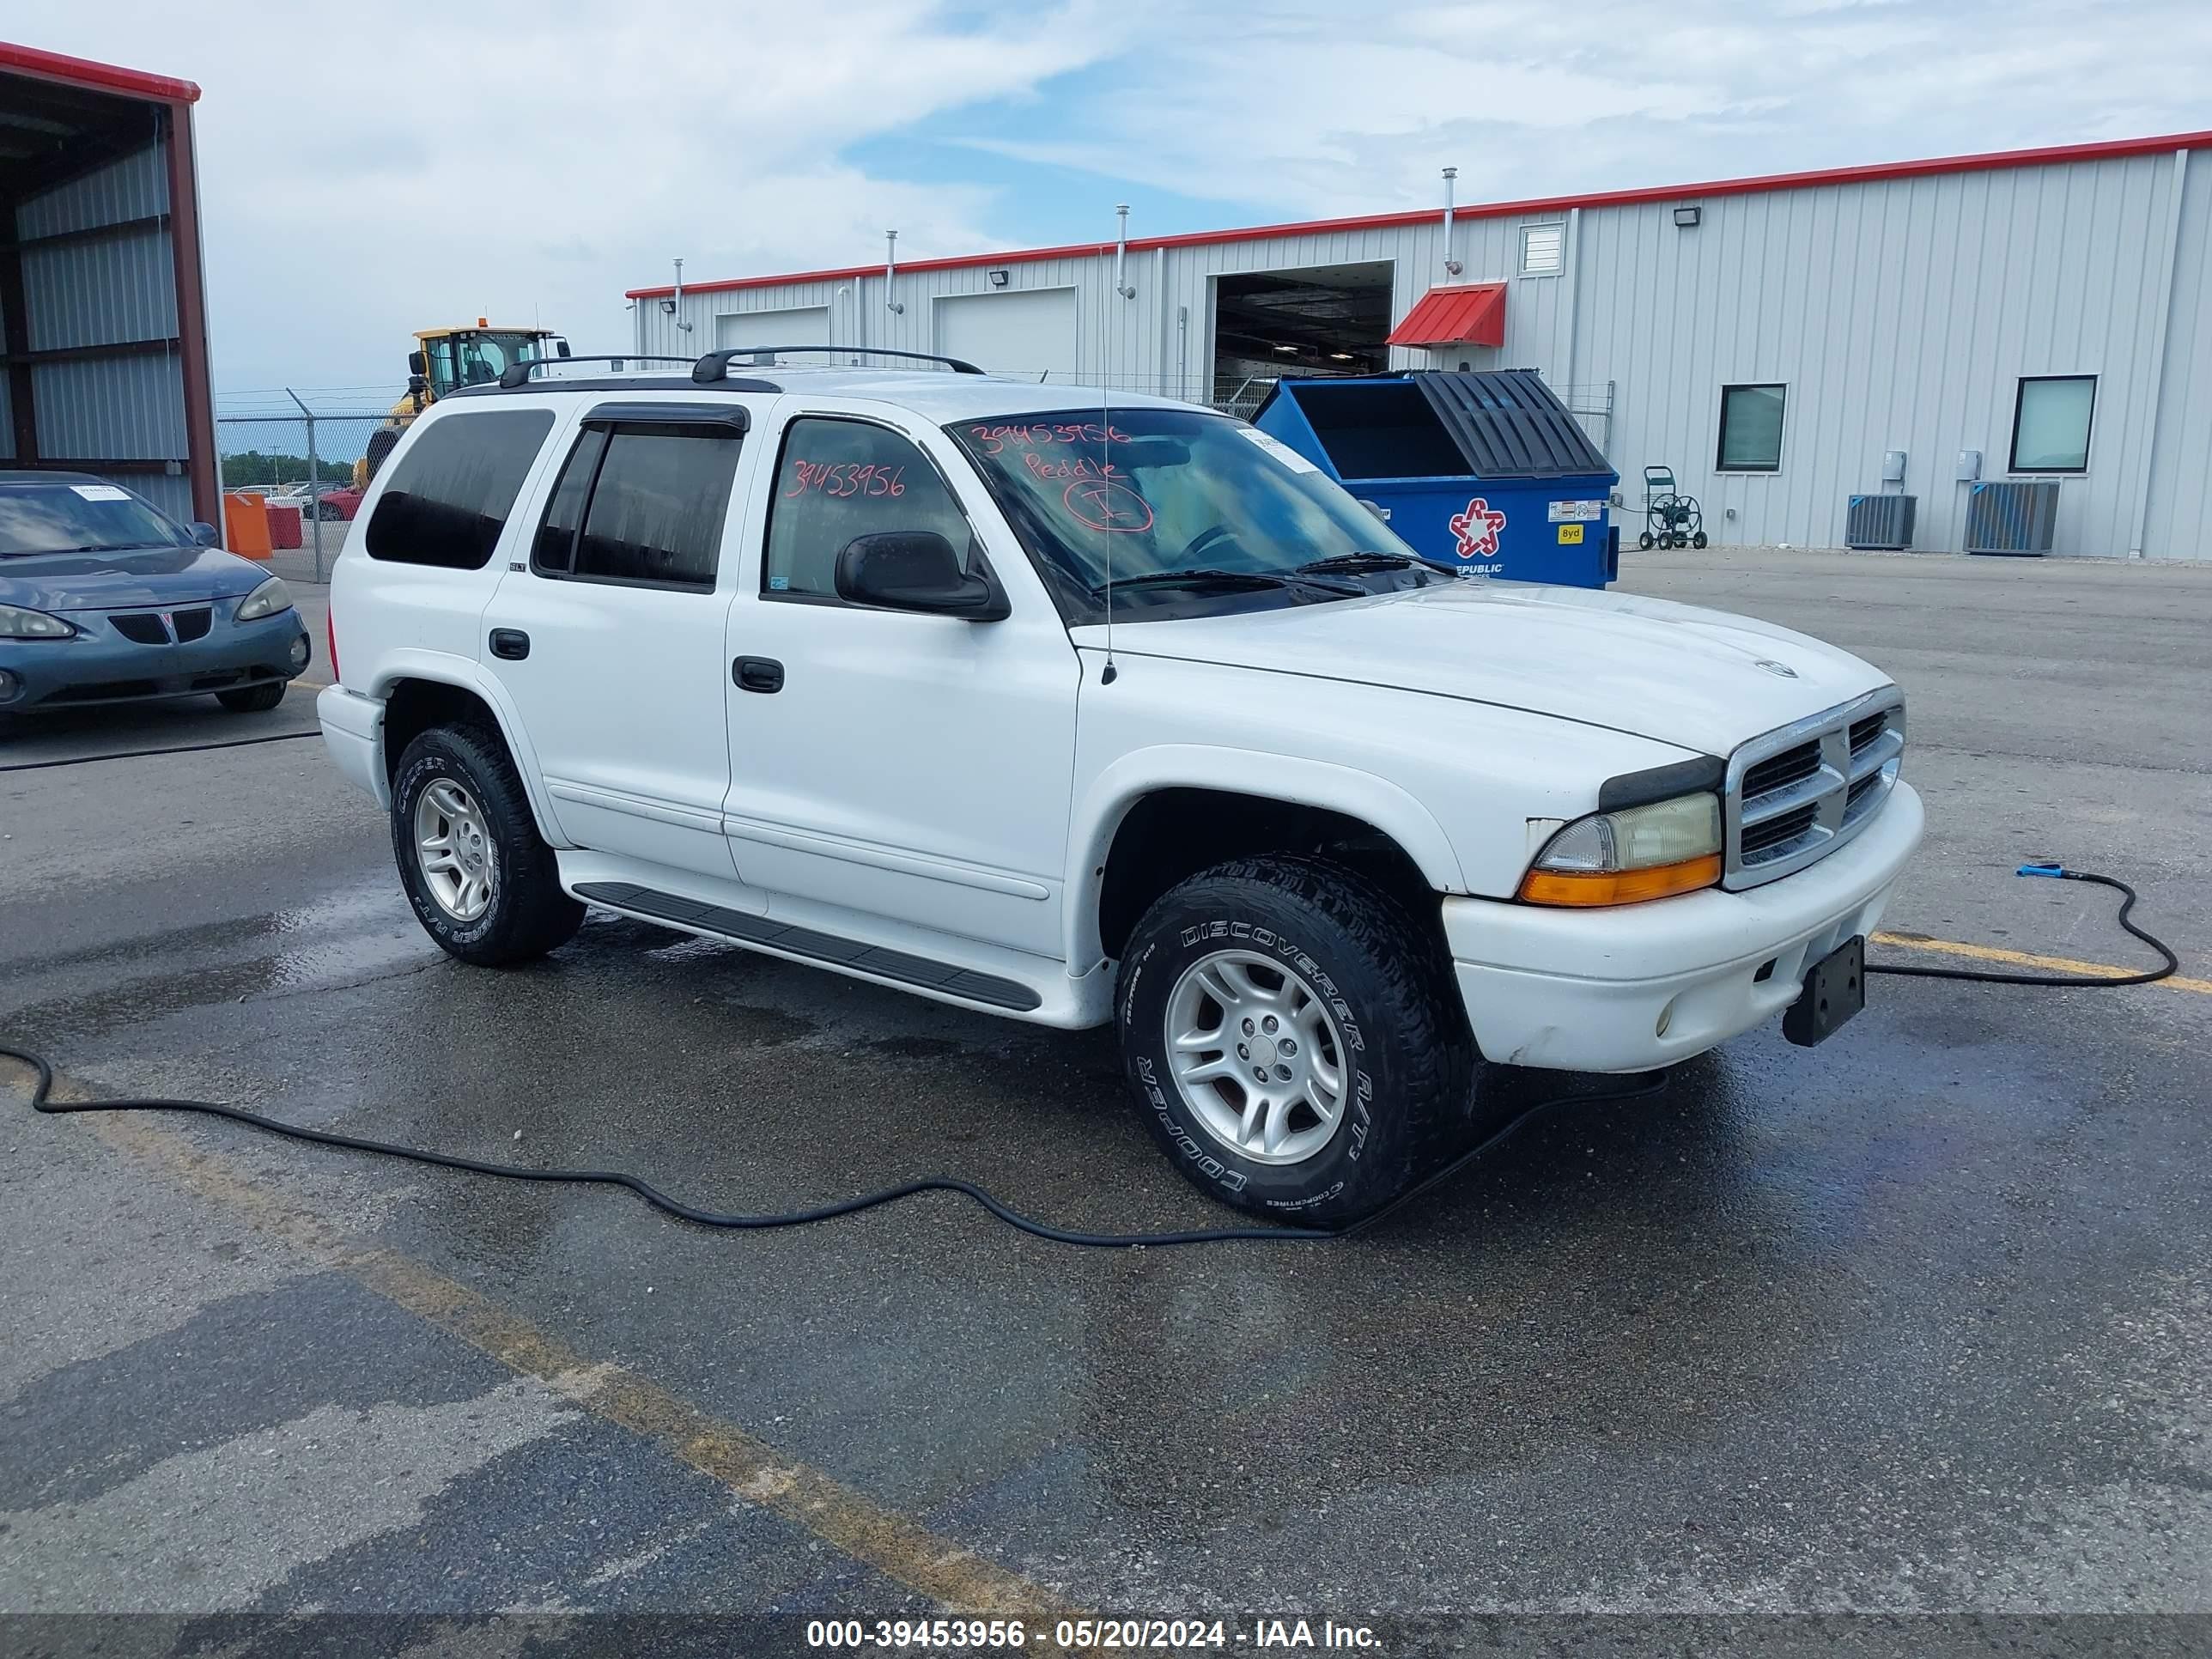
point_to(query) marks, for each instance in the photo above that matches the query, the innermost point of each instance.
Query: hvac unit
(2011, 517)
(1880, 521)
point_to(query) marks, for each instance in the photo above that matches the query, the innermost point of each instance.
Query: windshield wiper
(1207, 578)
(1231, 582)
(1365, 560)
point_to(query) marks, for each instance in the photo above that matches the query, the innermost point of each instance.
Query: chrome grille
(1775, 831)
(1785, 770)
(1797, 794)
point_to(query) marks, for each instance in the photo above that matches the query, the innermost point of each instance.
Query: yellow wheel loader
(446, 359)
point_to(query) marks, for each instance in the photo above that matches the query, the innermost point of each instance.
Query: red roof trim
(1874, 173)
(100, 77)
(1460, 313)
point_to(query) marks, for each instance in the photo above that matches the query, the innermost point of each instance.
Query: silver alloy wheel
(459, 865)
(1256, 1057)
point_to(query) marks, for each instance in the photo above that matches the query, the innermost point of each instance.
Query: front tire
(253, 699)
(482, 881)
(1355, 1074)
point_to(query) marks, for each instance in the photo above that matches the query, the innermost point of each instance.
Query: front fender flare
(1291, 780)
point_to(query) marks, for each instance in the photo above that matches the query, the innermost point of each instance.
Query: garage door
(1027, 336)
(798, 325)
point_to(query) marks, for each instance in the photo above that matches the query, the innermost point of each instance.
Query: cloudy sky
(369, 169)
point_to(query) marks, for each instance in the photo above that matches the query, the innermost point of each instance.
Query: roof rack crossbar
(518, 373)
(716, 365)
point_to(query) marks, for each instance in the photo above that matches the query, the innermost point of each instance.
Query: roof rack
(716, 365)
(518, 373)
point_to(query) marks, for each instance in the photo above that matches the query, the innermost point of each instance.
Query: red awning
(1468, 314)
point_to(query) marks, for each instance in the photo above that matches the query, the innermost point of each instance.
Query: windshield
(79, 518)
(1165, 491)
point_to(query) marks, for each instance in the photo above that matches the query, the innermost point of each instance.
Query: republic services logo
(1477, 529)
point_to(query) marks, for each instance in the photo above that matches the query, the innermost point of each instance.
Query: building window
(2050, 423)
(1543, 250)
(1751, 429)
(448, 498)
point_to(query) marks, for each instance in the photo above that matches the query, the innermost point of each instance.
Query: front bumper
(100, 666)
(1645, 984)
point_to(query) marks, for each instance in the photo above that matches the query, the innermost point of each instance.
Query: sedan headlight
(17, 623)
(1640, 853)
(266, 600)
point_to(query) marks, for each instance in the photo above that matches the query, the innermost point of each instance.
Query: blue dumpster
(1483, 470)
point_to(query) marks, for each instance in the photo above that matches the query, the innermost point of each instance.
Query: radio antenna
(1109, 674)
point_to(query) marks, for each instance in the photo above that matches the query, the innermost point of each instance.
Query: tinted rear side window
(657, 508)
(449, 499)
(555, 546)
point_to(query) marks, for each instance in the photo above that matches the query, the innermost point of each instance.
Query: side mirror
(416, 364)
(915, 570)
(205, 534)
(1376, 508)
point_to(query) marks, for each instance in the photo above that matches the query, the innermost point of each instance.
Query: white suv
(1073, 710)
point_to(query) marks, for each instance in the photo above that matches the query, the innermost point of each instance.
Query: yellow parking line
(753, 1471)
(2022, 959)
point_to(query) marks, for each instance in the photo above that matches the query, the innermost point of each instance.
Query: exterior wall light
(1686, 218)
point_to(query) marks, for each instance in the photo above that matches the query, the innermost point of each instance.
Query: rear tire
(482, 881)
(253, 699)
(1381, 1070)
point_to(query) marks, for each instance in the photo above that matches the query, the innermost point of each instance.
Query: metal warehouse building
(101, 279)
(1945, 330)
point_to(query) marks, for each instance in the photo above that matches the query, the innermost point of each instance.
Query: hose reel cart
(1670, 517)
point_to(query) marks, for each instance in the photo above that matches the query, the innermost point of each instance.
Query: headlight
(17, 623)
(1640, 853)
(265, 600)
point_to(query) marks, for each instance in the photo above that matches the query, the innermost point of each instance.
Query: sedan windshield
(1177, 502)
(79, 518)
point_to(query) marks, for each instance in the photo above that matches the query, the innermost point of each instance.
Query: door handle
(511, 643)
(757, 674)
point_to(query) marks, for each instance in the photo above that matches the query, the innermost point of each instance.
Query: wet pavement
(1915, 1320)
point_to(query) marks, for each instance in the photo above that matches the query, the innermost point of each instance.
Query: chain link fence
(308, 468)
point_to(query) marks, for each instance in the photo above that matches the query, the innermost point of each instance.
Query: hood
(120, 581)
(1695, 678)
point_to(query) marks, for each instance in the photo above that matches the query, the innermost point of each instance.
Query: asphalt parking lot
(1918, 1321)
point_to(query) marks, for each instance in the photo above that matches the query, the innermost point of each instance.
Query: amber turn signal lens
(1623, 887)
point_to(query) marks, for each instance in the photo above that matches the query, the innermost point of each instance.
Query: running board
(825, 948)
